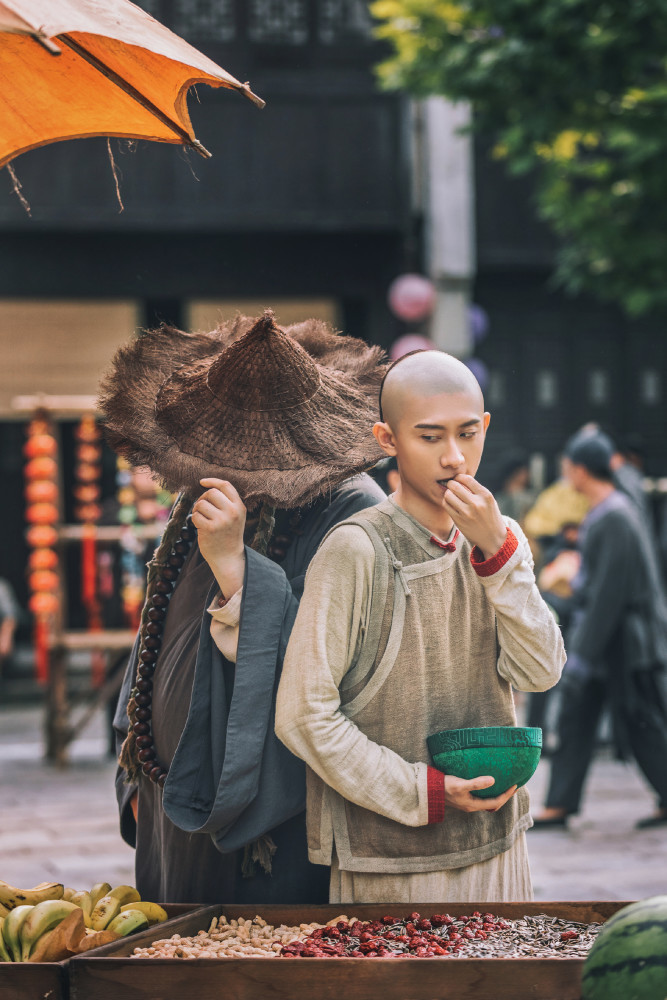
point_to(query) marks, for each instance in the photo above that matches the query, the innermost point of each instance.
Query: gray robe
(230, 778)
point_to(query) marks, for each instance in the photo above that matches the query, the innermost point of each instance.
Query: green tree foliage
(574, 91)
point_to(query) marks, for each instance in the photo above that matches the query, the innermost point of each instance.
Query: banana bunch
(28, 915)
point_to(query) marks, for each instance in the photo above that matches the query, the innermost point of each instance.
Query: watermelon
(628, 960)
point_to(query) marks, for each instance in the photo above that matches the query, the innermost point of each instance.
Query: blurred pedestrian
(386, 475)
(627, 465)
(557, 505)
(616, 643)
(514, 494)
(8, 620)
(561, 565)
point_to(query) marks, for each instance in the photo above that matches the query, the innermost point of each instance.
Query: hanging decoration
(42, 514)
(134, 510)
(410, 342)
(87, 510)
(412, 297)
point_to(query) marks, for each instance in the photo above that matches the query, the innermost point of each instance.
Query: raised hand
(475, 513)
(219, 517)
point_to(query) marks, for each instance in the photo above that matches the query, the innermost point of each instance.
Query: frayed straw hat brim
(265, 416)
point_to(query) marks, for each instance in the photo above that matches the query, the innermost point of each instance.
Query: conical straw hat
(255, 408)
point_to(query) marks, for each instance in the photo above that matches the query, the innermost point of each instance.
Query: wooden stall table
(59, 730)
(109, 972)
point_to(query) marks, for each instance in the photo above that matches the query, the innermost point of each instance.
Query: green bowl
(510, 754)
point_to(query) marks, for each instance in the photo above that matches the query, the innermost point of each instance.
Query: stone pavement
(62, 825)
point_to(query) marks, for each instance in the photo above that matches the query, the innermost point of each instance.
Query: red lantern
(42, 559)
(39, 445)
(89, 453)
(87, 430)
(87, 493)
(86, 473)
(42, 513)
(41, 491)
(43, 579)
(88, 512)
(40, 425)
(412, 297)
(41, 468)
(41, 536)
(44, 604)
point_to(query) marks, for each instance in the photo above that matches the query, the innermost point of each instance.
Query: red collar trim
(446, 546)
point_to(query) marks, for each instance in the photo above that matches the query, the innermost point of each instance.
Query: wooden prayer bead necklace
(152, 636)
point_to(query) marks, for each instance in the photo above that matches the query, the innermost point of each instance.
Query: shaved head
(425, 374)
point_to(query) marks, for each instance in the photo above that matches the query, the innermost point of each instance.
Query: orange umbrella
(76, 68)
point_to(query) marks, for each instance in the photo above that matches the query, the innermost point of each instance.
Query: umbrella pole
(134, 94)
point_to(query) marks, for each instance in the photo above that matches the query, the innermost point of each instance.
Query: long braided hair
(128, 757)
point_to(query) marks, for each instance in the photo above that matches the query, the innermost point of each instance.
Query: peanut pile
(231, 939)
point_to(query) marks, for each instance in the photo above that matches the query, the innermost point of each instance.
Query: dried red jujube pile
(393, 937)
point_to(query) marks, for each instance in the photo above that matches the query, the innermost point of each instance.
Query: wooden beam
(109, 532)
(59, 407)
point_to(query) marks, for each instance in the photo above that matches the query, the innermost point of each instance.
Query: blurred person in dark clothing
(385, 474)
(627, 465)
(8, 620)
(513, 493)
(616, 642)
(561, 565)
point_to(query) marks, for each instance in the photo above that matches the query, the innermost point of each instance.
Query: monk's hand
(219, 517)
(474, 511)
(458, 794)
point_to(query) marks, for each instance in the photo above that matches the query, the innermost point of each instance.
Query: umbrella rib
(133, 93)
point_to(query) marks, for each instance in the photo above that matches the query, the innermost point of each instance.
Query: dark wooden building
(557, 362)
(305, 205)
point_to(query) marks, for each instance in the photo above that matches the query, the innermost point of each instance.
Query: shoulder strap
(381, 579)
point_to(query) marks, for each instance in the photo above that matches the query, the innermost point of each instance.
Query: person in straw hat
(265, 433)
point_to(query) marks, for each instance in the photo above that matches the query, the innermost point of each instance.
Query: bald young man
(419, 614)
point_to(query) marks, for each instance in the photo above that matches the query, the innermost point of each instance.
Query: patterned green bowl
(510, 754)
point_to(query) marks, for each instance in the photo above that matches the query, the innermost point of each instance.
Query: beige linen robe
(461, 641)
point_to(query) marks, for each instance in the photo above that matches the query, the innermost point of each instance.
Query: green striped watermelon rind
(628, 960)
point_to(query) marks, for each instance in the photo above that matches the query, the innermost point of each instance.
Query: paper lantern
(40, 425)
(44, 604)
(41, 468)
(39, 445)
(42, 559)
(43, 579)
(88, 453)
(86, 473)
(41, 491)
(412, 297)
(88, 512)
(87, 429)
(41, 536)
(410, 342)
(42, 513)
(87, 493)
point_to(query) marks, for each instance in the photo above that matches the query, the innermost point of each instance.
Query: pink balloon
(412, 297)
(410, 342)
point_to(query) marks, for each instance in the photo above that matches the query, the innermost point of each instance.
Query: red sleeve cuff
(487, 567)
(436, 795)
